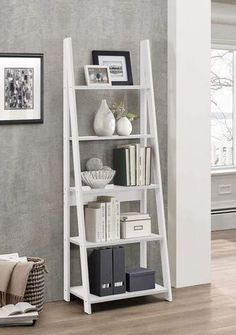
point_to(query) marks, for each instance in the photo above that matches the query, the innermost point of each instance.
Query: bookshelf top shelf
(113, 137)
(112, 87)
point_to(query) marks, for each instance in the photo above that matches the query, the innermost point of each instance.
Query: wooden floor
(202, 310)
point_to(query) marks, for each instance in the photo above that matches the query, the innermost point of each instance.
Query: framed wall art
(119, 65)
(21, 88)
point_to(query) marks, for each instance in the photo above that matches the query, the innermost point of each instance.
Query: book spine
(103, 222)
(113, 219)
(142, 166)
(93, 224)
(132, 165)
(127, 164)
(119, 164)
(148, 166)
(137, 163)
(109, 221)
(117, 220)
(98, 224)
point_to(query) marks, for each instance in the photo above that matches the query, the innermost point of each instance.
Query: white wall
(189, 141)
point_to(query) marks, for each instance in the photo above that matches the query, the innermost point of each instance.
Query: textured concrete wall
(31, 155)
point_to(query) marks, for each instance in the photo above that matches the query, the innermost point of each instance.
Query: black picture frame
(125, 54)
(28, 55)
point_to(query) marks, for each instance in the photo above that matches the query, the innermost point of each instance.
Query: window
(222, 108)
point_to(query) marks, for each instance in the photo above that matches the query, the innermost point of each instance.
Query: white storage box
(140, 226)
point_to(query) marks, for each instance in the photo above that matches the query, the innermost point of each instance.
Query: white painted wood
(122, 193)
(78, 291)
(157, 168)
(77, 171)
(221, 204)
(143, 130)
(66, 180)
(223, 13)
(113, 137)
(222, 172)
(80, 195)
(223, 221)
(110, 88)
(189, 221)
(152, 237)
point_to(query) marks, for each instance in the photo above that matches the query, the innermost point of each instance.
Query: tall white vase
(104, 123)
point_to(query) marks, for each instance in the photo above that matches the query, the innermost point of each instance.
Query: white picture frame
(97, 75)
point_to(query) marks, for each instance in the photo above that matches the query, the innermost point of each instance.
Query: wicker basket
(34, 293)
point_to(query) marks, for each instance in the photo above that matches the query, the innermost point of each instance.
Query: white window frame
(230, 168)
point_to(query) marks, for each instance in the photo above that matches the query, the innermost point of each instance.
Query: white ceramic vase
(124, 126)
(104, 123)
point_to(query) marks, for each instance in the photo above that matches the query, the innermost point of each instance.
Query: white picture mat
(21, 62)
(106, 60)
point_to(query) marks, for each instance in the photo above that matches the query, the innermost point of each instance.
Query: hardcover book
(93, 218)
(113, 227)
(148, 165)
(142, 166)
(102, 223)
(121, 164)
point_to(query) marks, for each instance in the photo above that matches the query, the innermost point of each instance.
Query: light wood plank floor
(202, 310)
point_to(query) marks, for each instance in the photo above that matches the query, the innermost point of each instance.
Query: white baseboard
(223, 221)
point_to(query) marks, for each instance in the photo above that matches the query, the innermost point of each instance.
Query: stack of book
(22, 313)
(102, 219)
(132, 164)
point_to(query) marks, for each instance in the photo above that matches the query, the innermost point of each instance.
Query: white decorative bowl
(97, 179)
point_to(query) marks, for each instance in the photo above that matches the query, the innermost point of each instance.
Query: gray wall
(31, 155)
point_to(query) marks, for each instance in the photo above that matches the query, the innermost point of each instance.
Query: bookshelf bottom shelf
(94, 299)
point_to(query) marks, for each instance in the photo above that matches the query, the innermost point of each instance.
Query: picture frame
(119, 64)
(96, 75)
(21, 88)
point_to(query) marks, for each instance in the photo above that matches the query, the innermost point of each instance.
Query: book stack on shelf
(102, 219)
(132, 164)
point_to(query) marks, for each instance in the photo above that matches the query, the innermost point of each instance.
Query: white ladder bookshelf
(79, 195)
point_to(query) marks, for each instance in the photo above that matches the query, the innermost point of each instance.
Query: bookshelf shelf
(109, 88)
(111, 138)
(122, 193)
(150, 238)
(79, 195)
(78, 291)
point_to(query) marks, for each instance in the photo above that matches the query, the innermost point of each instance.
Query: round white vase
(104, 123)
(124, 126)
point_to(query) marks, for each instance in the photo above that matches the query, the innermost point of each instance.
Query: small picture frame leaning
(96, 75)
(21, 88)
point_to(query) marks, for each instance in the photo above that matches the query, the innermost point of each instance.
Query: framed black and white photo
(97, 75)
(119, 65)
(21, 88)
